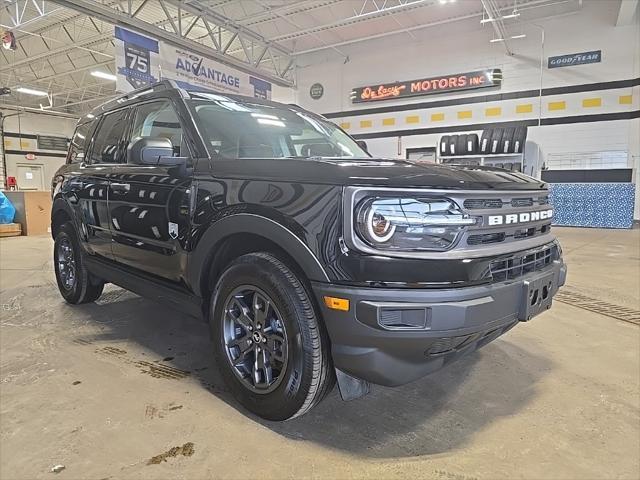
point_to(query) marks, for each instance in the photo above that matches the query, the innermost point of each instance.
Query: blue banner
(133, 59)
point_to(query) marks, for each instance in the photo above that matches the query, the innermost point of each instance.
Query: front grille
(485, 238)
(522, 202)
(450, 346)
(476, 204)
(499, 237)
(486, 203)
(522, 263)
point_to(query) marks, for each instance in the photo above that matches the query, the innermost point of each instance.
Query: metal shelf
(497, 156)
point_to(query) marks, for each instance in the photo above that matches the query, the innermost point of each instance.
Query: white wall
(31, 123)
(464, 46)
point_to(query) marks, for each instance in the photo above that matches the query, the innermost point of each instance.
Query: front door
(149, 205)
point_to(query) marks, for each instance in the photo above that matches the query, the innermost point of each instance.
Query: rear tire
(453, 145)
(461, 146)
(519, 139)
(507, 140)
(269, 342)
(496, 141)
(75, 282)
(444, 145)
(471, 147)
(485, 141)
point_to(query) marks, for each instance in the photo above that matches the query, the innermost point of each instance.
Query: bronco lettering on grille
(520, 217)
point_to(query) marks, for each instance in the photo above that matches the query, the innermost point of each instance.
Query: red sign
(428, 86)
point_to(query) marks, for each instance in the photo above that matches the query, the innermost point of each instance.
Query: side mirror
(363, 145)
(151, 151)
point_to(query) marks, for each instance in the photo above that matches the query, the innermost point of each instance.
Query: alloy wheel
(255, 339)
(66, 261)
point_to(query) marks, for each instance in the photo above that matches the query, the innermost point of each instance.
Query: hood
(375, 172)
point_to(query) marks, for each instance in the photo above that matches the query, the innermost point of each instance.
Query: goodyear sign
(575, 59)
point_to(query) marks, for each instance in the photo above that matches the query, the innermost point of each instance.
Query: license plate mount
(536, 296)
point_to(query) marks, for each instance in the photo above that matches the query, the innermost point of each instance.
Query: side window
(159, 120)
(108, 140)
(79, 143)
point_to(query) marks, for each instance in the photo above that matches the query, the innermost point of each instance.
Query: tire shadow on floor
(435, 414)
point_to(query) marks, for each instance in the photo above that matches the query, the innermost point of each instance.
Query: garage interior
(127, 388)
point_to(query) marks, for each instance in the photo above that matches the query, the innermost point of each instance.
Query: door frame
(31, 165)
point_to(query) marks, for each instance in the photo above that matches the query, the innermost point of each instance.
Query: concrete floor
(103, 388)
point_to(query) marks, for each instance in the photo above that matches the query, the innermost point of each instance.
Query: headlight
(410, 224)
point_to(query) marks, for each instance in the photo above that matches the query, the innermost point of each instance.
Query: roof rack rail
(165, 84)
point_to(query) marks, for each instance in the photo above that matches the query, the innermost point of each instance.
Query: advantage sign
(575, 59)
(428, 86)
(142, 60)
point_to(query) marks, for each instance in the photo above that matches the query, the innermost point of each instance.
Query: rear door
(149, 204)
(90, 183)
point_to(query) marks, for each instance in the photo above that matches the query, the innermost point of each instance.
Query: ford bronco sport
(311, 260)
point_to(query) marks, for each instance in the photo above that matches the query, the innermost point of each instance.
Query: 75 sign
(137, 66)
(138, 62)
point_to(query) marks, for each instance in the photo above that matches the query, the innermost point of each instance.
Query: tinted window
(79, 143)
(108, 140)
(158, 120)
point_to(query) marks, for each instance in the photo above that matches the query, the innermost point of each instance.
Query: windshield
(240, 129)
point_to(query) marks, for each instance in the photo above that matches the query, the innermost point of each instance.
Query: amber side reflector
(335, 303)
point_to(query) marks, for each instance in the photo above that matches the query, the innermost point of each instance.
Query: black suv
(311, 260)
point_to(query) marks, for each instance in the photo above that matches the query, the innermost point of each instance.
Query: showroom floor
(104, 388)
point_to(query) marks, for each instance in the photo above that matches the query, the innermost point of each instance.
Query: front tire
(75, 282)
(269, 343)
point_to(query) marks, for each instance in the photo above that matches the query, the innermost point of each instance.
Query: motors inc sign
(428, 86)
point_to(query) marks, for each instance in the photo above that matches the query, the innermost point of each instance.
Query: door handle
(120, 187)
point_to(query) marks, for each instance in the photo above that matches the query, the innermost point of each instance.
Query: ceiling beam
(116, 17)
(57, 51)
(497, 23)
(626, 12)
(68, 72)
(360, 17)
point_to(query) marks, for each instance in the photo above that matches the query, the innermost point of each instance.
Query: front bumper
(368, 346)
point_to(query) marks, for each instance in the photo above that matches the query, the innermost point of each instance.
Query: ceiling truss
(175, 21)
(61, 42)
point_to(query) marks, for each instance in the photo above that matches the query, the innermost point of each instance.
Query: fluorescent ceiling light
(31, 91)
(522, 35)
(494, 40)
(268, 121)
(264, 115)
(104, 75)
(503, 17)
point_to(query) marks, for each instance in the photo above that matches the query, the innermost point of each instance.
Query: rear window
(79, 142)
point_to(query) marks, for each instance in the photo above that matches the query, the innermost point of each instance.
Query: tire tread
(90, 290)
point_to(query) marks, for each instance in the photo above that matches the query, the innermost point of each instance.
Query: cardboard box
(33, 211)
(10, 230)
